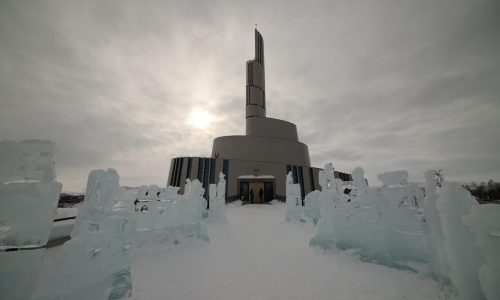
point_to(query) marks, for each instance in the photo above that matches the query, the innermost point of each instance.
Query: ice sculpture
(398, 226)
(97, 259)
(461, 253)
(325, 231)
(358, 188)
(484, 222)
(28, 199)
(384, 224)
(312, 206)
(294, 209)
(218, 200)
(434, 234)
(164, 216)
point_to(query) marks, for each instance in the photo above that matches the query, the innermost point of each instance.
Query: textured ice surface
(312, 206)
(96, 261)
(484, 222)
(28, 193)
(384, 223)
(460, 250)
(28, 199)
(294, 209)
(19, 272)
(217, 211)
(165, 216)
(434, 234)
(398, 225)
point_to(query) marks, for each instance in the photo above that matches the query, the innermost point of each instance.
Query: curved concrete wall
(259, 148)
(272, 128)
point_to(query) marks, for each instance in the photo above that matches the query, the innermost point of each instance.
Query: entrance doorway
(256, 191)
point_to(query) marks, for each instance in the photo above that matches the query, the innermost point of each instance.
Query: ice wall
(96, 261)
(164, 216)
(399, 225)
(461, 252)
(384, 224)
(483, 222)
(28, 200)
(294, 209)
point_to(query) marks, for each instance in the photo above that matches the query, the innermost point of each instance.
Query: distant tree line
(485, 192)
(69, 200)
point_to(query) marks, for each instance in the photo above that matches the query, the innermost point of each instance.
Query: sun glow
(201, 119)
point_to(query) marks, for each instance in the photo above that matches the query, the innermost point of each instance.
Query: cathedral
(255, 164)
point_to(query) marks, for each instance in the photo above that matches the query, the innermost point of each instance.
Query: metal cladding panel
(255, 74)
(255, 111)
(256, 96)
(273, 128)
(264, 149)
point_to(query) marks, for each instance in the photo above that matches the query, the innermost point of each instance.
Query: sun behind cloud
(200, 119)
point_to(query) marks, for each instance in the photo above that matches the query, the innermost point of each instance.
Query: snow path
(255, 255)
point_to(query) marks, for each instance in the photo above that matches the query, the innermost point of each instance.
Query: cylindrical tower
(256, 88)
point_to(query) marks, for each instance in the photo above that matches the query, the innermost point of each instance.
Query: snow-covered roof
(256, 177)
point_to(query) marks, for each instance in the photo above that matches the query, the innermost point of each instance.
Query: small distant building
(255, 164)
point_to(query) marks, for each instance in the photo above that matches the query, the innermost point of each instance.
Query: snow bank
(28, 200)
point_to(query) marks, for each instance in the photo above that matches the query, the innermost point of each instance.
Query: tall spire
(259, 47)
(256, 89)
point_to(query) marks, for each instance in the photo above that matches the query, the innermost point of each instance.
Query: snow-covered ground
(256, 255)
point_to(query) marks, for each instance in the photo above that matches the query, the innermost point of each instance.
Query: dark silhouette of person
(261, 195)
(251, 194)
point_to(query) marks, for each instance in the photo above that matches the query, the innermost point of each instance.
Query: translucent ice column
(460, 250)
(294, 209)
(28, 199)
(325, 230)
(218, 200)
(434, 234)
(96, 261)
(484, 223)
(312, 206)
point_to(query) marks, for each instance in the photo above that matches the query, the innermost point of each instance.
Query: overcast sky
(385, 85)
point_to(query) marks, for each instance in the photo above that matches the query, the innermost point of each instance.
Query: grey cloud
(383, 85)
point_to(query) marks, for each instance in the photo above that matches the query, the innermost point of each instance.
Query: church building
(255, 164)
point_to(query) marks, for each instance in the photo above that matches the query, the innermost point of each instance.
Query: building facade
(255, 164)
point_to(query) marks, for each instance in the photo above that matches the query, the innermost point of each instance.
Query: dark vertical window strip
(200, 169)
(225, 170)
(206, 167)
(294, 174)
(288, 169)
(311, 179)
(174, 173)
(179, 173)
(301, 181)
(172, 162)
(212, 170)
(190, 166)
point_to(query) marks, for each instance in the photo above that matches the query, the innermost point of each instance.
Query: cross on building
(255, 171)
